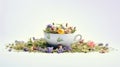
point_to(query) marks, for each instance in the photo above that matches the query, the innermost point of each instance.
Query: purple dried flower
(67, 48)
(49, 26)
(25, 49)
(33, 38)
(49, 49)
(106, 44)
(60, 50)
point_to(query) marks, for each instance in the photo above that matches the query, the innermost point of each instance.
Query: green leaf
(59, 39)
(48, 36)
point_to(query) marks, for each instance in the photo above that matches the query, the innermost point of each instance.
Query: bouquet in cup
(59, 29)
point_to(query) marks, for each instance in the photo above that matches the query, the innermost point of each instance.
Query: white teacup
(64, 39)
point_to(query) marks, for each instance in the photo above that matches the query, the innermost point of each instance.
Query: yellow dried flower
(60, 31)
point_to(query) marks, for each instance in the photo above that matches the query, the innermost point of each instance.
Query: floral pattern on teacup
(48, 36)
(59, 39)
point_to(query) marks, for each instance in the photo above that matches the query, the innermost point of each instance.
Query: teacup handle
(78, 35)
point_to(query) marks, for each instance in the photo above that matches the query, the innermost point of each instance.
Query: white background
(97, 20)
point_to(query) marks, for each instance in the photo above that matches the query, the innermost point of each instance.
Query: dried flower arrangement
(41, 45)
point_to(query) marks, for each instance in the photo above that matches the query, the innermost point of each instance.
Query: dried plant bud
(66, 24)
(81, 41)
(53, 23)
(100, 44)
(74, 28)
(70, 28)
(67, 31)
(106, 44)
(33, 38)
